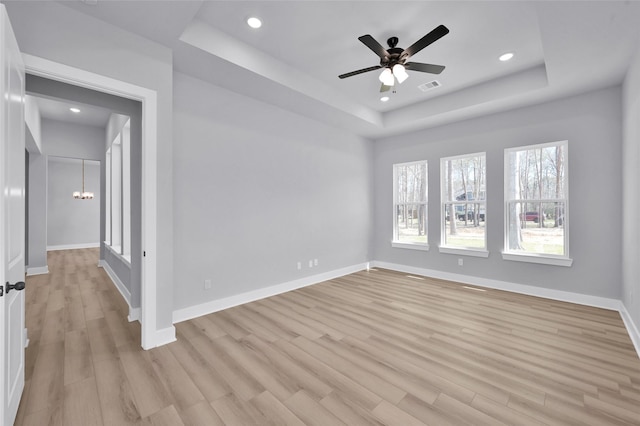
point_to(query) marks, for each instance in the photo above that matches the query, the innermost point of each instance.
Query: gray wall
(631, 194)
(70, 140)
(62, 140)
(58, 33)
(72, 222)
(592, 125)
(257, 189)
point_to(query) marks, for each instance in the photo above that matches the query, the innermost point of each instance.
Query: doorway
(147, 195)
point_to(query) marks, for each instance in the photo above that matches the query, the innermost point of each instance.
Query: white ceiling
(56, 109)
(561, 48)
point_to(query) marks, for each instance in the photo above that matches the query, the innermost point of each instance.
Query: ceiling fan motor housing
(395, 54)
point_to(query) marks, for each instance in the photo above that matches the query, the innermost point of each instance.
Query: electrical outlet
(315, 262)
(311, 264)
(207, 284)
(460, 262)
(299, 265)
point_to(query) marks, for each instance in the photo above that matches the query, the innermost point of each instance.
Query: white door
(12, 174)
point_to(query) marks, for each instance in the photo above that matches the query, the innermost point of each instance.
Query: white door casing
(151, 336)
(12, 222)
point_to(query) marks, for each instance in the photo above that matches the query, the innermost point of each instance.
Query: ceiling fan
(394, 59)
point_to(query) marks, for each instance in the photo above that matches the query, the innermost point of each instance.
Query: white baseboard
(547, 293)
(37, 270)
(134, 313)
(632, 329)
(262, 293)
(164, 336)
(73, 246)
(564, 296)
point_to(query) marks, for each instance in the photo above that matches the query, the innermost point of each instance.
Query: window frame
(117, 188)
(449, 249)
(395, 242)
(531, 257)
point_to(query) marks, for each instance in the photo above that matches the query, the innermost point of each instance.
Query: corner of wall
(632, 329)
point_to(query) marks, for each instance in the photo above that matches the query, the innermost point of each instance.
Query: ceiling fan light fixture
(400, 73)
(386, 77)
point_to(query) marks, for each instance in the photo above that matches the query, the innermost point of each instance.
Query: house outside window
(463, 206)
(410, 205)
(536, 198)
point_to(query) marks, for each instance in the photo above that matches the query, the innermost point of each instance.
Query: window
(126, 188)
(118, 199)
(463, 210)
(108, 199)
(536, 194)
(410, 205)
(116, 194)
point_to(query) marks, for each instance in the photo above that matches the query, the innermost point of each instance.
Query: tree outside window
(410, 203)
(463, 196)
(536, 200)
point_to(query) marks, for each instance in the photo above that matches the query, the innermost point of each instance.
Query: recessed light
(76, 110)
(506, 56)
(254, 22)
(384, 99)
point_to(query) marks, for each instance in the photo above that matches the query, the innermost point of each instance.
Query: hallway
(69, 354)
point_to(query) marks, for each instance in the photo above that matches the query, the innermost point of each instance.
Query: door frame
(78, 77)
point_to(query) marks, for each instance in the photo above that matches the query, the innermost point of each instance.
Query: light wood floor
(375, 347)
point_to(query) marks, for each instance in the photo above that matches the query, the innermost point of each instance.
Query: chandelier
(84, 195)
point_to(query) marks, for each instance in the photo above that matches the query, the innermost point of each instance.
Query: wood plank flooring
(378, 348)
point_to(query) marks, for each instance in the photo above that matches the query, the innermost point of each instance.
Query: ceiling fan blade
(372, 44)
(352, 73)
(430, 68)
(435, 34)
(385, 88)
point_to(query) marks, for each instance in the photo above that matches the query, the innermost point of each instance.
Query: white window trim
(411, 246)
(540, 258)
(115, 250)
(394, 241)
(462, 251)
(118, 214)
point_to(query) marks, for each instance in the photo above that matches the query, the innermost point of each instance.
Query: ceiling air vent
(430, 85)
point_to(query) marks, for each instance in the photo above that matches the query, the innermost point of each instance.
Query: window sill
(544, 260)
(464, 251)
(410, 246)
(115, 250)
